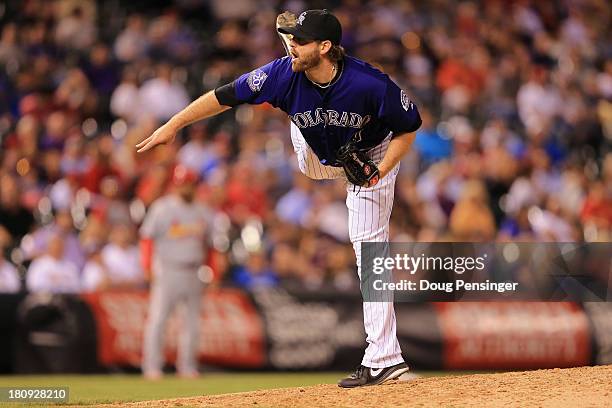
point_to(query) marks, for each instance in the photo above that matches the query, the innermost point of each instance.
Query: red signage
(484, 335)
(231, 330)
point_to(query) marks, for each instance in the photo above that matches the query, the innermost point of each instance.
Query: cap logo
(301, 18)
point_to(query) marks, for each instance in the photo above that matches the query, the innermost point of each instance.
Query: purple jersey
(362, 103)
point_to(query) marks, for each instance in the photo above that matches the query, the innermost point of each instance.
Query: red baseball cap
(183, 175)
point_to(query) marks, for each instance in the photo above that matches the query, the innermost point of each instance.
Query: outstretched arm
(204, 107)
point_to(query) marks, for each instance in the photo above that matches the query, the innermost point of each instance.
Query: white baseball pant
(369, 214)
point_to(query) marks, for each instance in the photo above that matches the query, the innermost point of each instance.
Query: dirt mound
(572, 387)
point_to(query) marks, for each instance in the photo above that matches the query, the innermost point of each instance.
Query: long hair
(336, 53)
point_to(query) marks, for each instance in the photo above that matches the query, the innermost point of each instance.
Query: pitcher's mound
(571, 387)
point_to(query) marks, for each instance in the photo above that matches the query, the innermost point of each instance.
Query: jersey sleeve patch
(406, 103)
(399, 117)
(256, 80)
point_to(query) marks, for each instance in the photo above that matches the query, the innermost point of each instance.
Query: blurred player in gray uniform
(173, 248)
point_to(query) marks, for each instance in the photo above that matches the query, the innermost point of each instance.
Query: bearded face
(187, 192)
(305, 57)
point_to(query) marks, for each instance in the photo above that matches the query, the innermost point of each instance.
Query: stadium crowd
(516, 100)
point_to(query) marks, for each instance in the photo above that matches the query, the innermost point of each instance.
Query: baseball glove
(359, 168)
(287, 19)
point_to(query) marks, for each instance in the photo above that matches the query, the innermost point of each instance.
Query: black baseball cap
(316, 25)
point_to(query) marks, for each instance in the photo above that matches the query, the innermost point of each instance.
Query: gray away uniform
(180, 232)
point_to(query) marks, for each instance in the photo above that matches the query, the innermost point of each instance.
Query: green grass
(93, 389)
(96, 389)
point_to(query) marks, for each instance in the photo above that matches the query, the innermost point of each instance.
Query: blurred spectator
(170, 38)
(115, 264)
(240, 9)
(99, 159)
(50, 170)
(62, 192)
(597, 211)
(109, 204)
(295, 205)
(604, 80)
(121, 258)
(94, 234)
(9, 277)
(431, 145)
(256, 272)
(77, 29)
(74, 92)
(549, 224)
(50, 272)
(161, 97)
(74, 163)
(285, 261)
(329, 214)
(537, 101)
(123, 97)
(14, 217)
(10, 281)
(101, 70)
(10, 53)
(471, 218)
(25, 139)
(196, 153)
(517, 227)
(339, 264)
(96, 276)
(245, 196)
(152, 185)
(62, 229)
(132, 43)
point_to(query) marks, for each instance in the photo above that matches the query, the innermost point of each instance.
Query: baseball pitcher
(348, 120)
